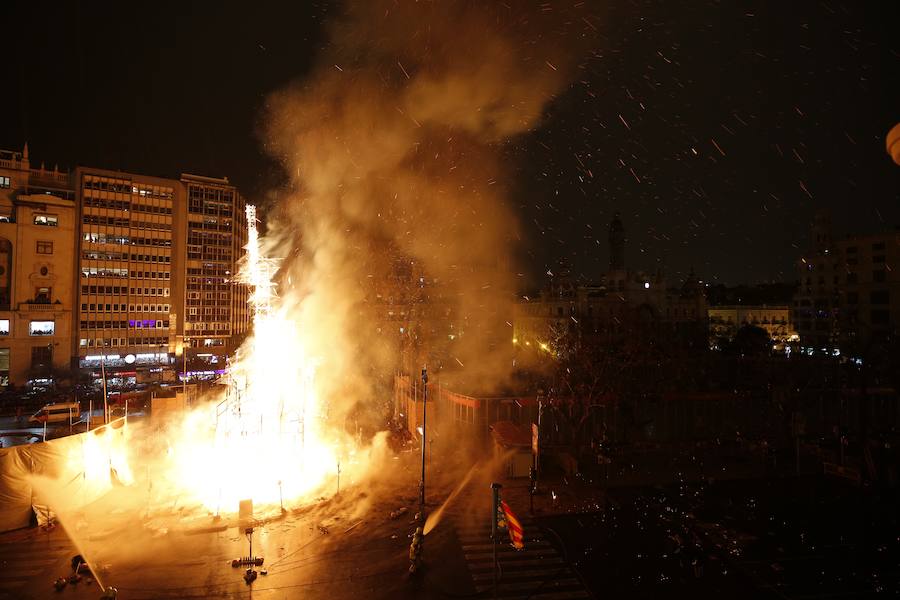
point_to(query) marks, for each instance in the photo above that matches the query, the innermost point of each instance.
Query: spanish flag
(508, 519)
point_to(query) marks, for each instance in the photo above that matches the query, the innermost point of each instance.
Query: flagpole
(495, 494)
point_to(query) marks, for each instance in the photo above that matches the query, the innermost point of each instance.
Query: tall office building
(127, 296)
(216, 310)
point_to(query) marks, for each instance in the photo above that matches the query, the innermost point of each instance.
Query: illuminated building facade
(37, 230)
(621, 300)
(95, 264)
(127, 299)
(217, 315)
(725, 321)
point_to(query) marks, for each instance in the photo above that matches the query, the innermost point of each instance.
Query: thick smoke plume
(395, 147)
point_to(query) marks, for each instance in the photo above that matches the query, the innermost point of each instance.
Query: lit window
(42, 328)
(4, 326)
(4, 181)
(46, 220)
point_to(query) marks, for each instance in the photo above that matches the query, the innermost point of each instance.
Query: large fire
(266, 439)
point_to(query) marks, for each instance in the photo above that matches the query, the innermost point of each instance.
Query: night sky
(715, 128)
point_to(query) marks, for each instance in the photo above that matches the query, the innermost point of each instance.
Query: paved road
(345, 547)
(539, 571)
(29, 555)
(778, 538)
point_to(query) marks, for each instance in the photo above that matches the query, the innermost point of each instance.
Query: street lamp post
(184, 342)
(103, 385)
(424, 434)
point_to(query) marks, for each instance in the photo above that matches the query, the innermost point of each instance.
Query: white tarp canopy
(78, 465)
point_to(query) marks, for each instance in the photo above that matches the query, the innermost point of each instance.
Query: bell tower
(616, 244)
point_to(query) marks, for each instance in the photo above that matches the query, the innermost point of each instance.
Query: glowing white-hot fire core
(266, 440)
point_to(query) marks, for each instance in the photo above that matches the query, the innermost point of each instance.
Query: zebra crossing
(537, 572)
(41, 556)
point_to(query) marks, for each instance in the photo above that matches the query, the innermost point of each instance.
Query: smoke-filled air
(395, 148)
(398, 192)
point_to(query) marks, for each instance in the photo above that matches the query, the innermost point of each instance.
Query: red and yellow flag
(516, 533)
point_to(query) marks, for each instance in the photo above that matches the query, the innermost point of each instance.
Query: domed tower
(616, 244)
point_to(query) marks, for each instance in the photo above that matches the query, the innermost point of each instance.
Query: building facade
(94, 267)
(869, 297)
(217, 315)
(819, 278)
(725, 321)
(128, 261)
(38, 220)
(621, 300)
(848, 297)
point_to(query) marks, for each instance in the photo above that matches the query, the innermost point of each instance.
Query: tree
(751, 340)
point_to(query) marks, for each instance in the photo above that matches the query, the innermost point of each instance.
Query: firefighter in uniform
(415, 550)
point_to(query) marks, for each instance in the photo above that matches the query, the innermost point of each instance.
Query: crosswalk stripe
(502, 538)
(486, 528)
(572, 595)
(507, 548)
(487, 562)
(524, 575)
(521, 586)
(502, 544)
(537, 572)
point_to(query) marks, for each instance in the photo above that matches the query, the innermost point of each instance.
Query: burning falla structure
(269, 428)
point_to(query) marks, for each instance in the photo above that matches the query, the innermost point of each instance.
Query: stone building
(776, 320)
(37, 232)
(621, 299)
